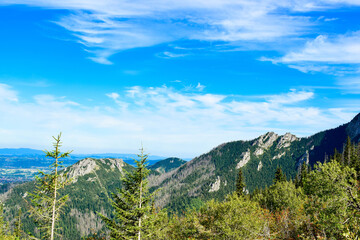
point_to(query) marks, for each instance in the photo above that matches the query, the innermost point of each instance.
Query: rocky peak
(115, 163)
(89, 165)
(264, 142)
(286, 140)
(82, 168)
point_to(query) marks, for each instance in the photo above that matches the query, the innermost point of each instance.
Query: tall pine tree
(279, 175)
(133, 212)
(240, 184)
(347, 152)
(46, 203)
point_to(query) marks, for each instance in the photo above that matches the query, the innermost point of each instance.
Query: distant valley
(21, 164)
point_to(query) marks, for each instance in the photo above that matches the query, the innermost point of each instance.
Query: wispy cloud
(200, 87)
(338, 55)
(7, 94)
(350, 85)
(168, 121)
(167, 54)
(107, 27)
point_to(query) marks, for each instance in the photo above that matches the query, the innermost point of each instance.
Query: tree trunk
(54, 204)
(139, 233)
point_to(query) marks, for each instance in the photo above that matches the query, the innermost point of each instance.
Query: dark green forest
(318, 202)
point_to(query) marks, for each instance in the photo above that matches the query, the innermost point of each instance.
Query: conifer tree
(4, 226)
(46, 203)
(18, 225)
(347, 152)
(304, 170)
(133, 211)
(337, 156)
(240, 184)
(279, 175)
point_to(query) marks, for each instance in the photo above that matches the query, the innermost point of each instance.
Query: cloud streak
(168, 121)
(107, 27)
(338, 55)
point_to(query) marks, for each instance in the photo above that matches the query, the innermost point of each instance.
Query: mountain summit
(213, 175)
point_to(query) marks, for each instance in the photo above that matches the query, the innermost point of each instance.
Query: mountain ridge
(211, 175)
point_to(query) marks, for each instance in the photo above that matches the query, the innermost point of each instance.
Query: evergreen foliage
(332, 190)
(4, 226)
(166, 165)
(134, 216)
(323, 203)
(279, 176)
(234, 218)
(46, 203)
(240, 185)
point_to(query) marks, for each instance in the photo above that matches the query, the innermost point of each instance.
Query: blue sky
(179, 77)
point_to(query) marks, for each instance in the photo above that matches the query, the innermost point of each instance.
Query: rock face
(82, 168)
(264, 142)
(304, 158)
(353, 128)
(90, 165)
(278, 156)
(216, 185)
(245, 158)
(259, 166)
(286, 140)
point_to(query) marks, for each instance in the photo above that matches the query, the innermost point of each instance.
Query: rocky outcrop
(216, 185)
(278, 156)
(245, 158)
(89, 165)
(304, 158)
(264, 142)
(286, 140)
(259, 166)
(82, 168)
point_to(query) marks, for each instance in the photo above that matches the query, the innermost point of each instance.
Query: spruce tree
(133, 217)
(303, 174)
(279, 175)
(303, 171)
(337, 156)
(46, 203)
(5, 233)
(240, 184)
(347, 152)
(18, 225)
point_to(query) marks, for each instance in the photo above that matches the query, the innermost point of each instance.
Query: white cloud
(109, 26)
(171, 55)
(339, 49)
(200, 87)
(113, 96)
(338, 55)
(350, 85)
(291, 97)
(7, 94)
(167, 121)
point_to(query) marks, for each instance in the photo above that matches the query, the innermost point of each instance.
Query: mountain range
(183, 184)
(213, 174)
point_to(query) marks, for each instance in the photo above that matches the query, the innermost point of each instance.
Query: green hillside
(213, 175)
(93, 181)
(166, 165)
